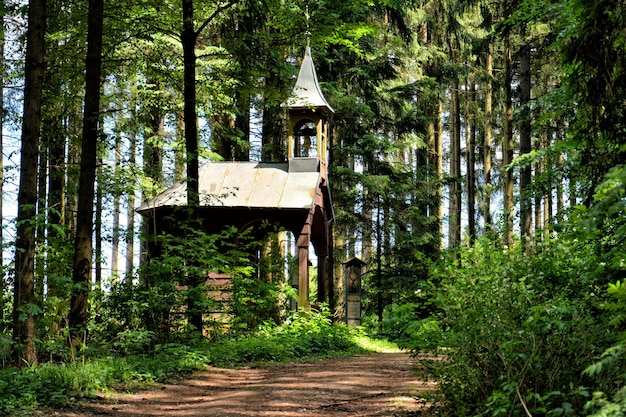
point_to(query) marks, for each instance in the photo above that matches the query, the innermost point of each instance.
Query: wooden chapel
(294, 194)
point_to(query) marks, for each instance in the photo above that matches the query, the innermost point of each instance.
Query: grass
(369, 344)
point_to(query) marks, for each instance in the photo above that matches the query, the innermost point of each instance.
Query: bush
(515, 331)
(301, 336)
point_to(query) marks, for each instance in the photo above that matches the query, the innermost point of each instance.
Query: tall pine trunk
(487, 141)
(2, 80)
(470, 145)
(117, 196)
(83, 250)
(273, 123)
(437, 162)
(242, 124)
(153, 143)
(55, 141)
(152, 169)
(526, 214)
(130, 214)
(548, 200)
(188, 40)
(98, 226)
(40, 255)
(24, 288)
(454, 213)
(508, 143)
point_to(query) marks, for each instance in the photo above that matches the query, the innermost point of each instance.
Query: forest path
(380, 384)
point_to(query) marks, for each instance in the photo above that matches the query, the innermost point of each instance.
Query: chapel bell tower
(309, 114)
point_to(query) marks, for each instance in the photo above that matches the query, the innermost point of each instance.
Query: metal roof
(246, 185)
(307, 92)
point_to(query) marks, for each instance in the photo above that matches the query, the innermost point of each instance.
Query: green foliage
(513, 329)
(516, 329)
(180, 275)
(303, 335)
(611, 363)
(260, 294)
(601, 407)
(54, 385)
(48, 384)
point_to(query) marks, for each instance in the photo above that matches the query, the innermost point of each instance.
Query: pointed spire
(307, 93)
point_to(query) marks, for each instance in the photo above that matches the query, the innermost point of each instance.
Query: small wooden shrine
(353, 274)
(293, 194)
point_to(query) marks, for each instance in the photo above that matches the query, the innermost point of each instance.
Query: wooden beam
(303, 277)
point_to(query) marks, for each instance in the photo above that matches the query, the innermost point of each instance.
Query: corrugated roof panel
(211, 183)
(300, 190)
(176, 195)
(245, 184)
(238, 183)
(268, 188)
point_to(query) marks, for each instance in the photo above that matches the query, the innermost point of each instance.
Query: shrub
(516, 331)
(301, 336)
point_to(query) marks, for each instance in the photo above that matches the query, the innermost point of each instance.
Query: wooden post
(303, 276)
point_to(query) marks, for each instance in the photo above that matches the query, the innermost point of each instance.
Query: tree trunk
(130, 214)
(56, 183)
(560, 198)
(115, 239)
(437, 157)
(40, 255)
(53, 137)
(273, 124)
(188, 40)
(98, 227)
(152, 169)
(508, 144)
(24, 288)
(130, 238)
(337, 297)
(487, 142)
(541, 196)
(470, 145)
(454, 228)
(380, 308)
(153, 143)
(538, 199)
(338, 258)
(548, 200)
(242, 124)
(82, 264)
(526, 214)
(332, 302)
(72, 171)
(2, 81)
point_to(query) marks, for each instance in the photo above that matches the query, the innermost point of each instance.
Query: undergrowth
(55, 385)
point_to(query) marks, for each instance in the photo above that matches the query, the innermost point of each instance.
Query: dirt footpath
(382, 384)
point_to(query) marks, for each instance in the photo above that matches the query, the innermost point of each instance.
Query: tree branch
(521, 400)
(217, 11)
